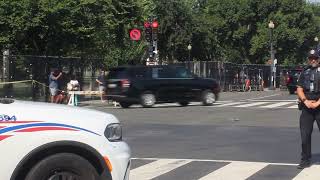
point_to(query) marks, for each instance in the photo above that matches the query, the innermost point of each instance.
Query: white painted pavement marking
(235, 170)
(252, 104)
(293, 107)
(276, 104)
(212, 160)
(275, 100)
(156, 168)
(263, 97)
(230, 104)
(311, 173)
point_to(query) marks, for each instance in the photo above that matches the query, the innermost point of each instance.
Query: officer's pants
(307, 119)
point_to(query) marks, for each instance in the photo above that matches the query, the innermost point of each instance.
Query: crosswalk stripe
(252, 104)
(241, 104)
(156, 168)
(235, 170)
(310, 173)
(276, 105)
(293, 107)
(230, 104)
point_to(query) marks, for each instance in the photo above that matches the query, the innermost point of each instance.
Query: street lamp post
(272, 66)
(318, 45)
(189, 49)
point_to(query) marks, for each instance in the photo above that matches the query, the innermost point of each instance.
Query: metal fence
(239, 77)
(31, 74)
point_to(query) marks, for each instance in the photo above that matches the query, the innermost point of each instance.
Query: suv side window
(161, 72)
(140, 72)
(182, 72)
(118, 73)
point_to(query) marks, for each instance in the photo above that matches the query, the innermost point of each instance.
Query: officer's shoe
(304, 164)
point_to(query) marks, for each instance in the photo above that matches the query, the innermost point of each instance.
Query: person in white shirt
(74, 85)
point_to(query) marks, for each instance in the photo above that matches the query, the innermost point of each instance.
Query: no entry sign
(135, 34)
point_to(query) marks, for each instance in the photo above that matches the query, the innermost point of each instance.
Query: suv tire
(291, 90)
(147, 99)
(63, 166)
(184, 103)
(124, 104)
(208, 98)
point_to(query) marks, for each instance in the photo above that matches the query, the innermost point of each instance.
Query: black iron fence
(29, 74)
(240, 77)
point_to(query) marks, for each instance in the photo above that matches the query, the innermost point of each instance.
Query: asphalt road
(259, 128)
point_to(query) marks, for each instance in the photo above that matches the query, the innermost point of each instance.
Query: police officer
(308, 90)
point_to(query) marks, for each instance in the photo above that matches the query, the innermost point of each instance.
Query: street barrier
(73, 100)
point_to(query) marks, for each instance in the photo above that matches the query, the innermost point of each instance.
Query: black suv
(147, 85)
(292, 80)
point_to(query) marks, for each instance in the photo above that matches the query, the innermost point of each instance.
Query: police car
(41, 141)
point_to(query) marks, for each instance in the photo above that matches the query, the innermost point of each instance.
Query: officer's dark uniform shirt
(309, 80)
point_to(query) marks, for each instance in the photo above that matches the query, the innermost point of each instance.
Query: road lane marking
(263, 97)
(273, 105)
(230, 104)
(276, 100)
(252, 104)
(213, 160)
(235, 170)
(156, 168)
(311, 173)
(293, 107)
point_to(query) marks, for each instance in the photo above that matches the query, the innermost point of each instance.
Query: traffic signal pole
(151, 36)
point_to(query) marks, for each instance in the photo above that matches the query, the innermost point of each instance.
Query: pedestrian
(308, 90)
(102, 84)
(53, 83)
(73, 85)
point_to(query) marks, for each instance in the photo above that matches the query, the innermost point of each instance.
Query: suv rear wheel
(63, 166)
(147, 99)
(291, 90)
(208, 98)
(124, 104)
(184, 103)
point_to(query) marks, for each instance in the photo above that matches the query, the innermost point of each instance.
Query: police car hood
(53, 113)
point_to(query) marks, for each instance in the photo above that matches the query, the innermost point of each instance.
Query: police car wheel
(63, 166)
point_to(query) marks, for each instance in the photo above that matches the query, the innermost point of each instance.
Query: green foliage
(224, 30)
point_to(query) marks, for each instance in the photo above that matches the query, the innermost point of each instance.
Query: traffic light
(155, 30)
(148, 31)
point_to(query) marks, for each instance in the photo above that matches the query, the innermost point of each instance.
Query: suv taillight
(289, 79)
(125, 83)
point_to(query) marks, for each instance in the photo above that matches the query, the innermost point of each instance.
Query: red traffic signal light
(146, 24)
(155, 24)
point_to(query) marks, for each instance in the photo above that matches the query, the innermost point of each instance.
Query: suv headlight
(113, 132)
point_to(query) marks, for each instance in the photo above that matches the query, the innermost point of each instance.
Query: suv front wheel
(147, 99)
(208, 98)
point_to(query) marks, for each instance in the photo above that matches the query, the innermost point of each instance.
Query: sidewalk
(96, 102)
